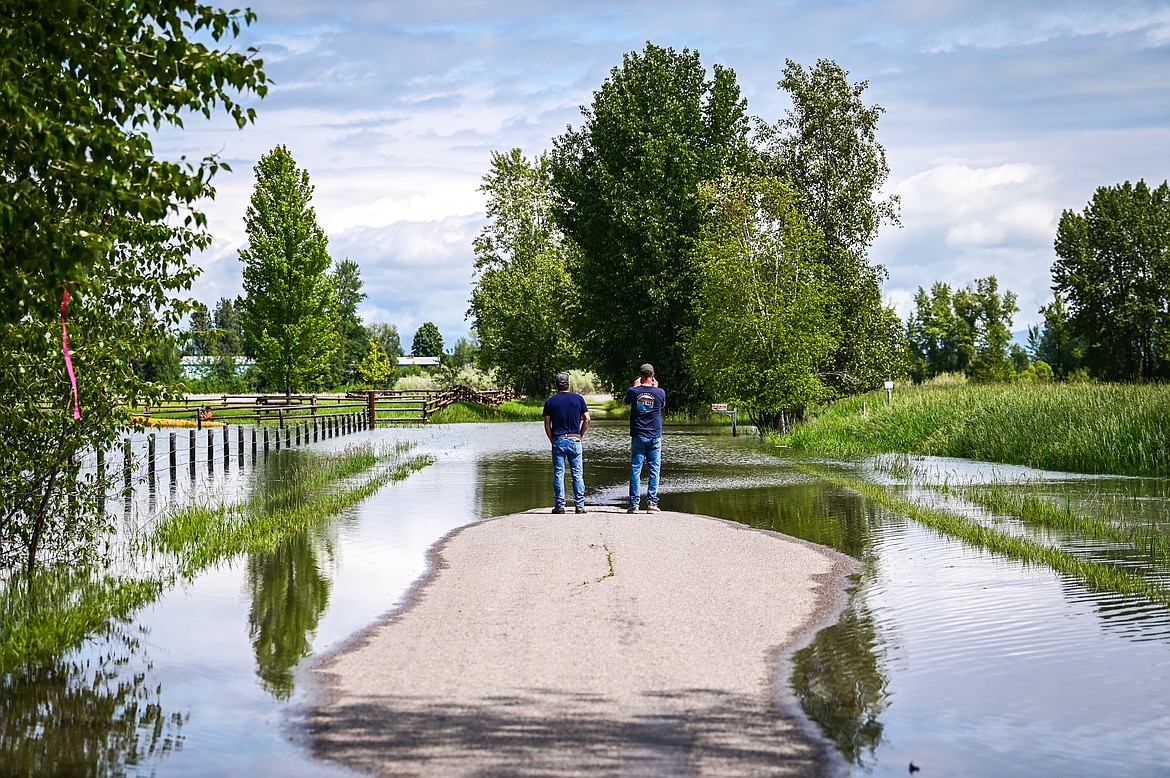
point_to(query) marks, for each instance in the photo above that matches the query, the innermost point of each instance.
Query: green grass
(513, 410)
(62, 607)
(66, 605)
(318, 488)
(1080, 428)
(1097, 576)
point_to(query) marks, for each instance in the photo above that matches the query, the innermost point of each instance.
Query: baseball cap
(562, 379)
(647, 369)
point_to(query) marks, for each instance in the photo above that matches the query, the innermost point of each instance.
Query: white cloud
(999, 115)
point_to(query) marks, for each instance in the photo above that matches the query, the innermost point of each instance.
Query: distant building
(203, 367)
(411, 359)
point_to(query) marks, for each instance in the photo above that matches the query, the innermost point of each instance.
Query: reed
(1081, 428)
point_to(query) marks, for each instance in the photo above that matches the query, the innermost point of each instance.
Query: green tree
(521, 298)
(463, 353)
(375, 368)
(229, 327)
(968, 330)
(993, 313)
(428, 342)
(201, 330)
(287, 290)
(1055, 343)
(941, 340)
(766, 328)
(628, 196)
(387, 336)
(87, 208)
(827, 146)
(1113, 268)
(352, 335)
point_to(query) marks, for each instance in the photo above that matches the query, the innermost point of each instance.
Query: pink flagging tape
(69, 359)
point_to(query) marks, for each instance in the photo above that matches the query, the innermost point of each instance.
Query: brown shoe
(653, 508)
(580, 509)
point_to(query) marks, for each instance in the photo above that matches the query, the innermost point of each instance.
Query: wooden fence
(370, 407)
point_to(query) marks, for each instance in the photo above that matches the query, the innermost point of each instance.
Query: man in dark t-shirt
(646, 402)
(566, 419)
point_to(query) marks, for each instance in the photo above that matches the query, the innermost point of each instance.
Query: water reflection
(289, 594)
(99, 715)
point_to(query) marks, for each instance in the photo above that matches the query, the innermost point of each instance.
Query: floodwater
(957, 660)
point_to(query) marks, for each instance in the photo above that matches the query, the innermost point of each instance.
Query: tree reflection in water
(90, 713)
(289, 594)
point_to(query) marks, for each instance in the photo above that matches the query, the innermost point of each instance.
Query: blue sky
(999, 115)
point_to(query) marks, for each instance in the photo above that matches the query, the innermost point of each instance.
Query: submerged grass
(60, 607)
(1096, 575)
(313, 491)
(63, 605)
(1080, 428)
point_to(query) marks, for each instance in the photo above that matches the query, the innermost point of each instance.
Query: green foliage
(352, 335)
(87, 207)
(287, 289)
(1113, 267)
(512, 410)
(84, 83)
(375, 368)
(1079, 428)
(766, 329)
(521, 300)
(826, 146)
(968, 330)
(59, 606)
(1056, 344)
(463, 353)
(388, 338)
(628, 196)
(428, 341)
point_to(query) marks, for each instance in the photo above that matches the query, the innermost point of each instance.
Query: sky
(998, 116)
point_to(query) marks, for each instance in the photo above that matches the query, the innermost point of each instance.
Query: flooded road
(947, 656)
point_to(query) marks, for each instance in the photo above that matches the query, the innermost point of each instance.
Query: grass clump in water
(1096, 575)
(1079, 428)
(314, 489)
(59, 607)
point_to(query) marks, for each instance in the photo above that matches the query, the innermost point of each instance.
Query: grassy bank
(1080, 428)
(64, 606)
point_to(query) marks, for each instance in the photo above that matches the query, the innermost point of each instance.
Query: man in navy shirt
(566, 418)
(646, 402)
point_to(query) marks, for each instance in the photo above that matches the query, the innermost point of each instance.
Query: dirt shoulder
(596, 644)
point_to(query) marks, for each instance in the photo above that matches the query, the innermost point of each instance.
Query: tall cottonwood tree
(826, 145)
(523, 299)
(966, 330)
(1113, 268)
(628, 184)
(287, 290)
(88, 208)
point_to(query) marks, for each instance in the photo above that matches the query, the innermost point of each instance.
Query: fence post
(373, 410)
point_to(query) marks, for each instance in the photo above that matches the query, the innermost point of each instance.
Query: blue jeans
(645, 450)
(568, 448)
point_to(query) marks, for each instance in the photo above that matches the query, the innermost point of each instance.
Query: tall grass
(1081, 428)
(512, 410)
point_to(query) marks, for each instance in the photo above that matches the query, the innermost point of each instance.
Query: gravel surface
(652, 644)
